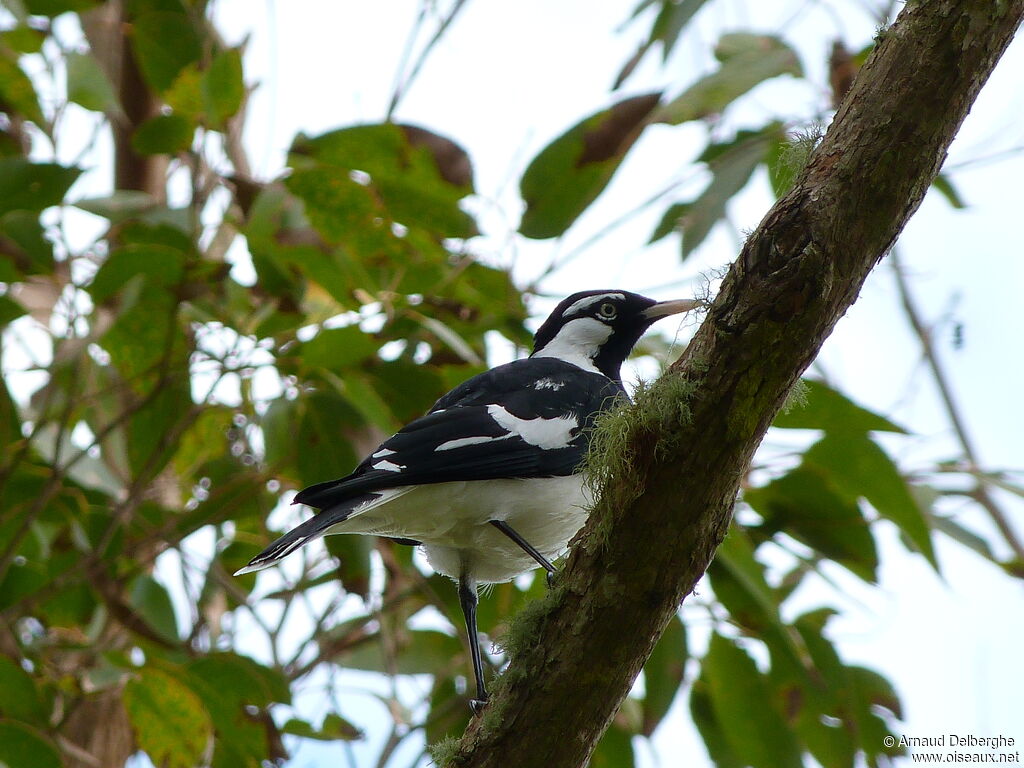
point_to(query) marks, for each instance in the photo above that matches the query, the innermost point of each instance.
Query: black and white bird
(488, 481)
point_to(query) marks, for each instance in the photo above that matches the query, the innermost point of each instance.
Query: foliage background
(196, 348)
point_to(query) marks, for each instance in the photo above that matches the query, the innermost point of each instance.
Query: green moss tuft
(444, 752)
(653, 420)
(797, 397)
(523, 629)
(798, 148)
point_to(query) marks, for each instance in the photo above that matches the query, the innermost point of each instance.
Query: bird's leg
(527, 547)
(468, 600)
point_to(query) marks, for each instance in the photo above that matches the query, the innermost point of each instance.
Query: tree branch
(656, 528)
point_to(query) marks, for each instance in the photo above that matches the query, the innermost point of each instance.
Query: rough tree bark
(647, 544)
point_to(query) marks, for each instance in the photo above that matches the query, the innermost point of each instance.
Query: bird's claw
(477, 705)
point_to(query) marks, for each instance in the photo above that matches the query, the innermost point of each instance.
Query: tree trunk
(656, 527)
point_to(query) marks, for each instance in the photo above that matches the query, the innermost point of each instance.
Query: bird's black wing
(530, 418)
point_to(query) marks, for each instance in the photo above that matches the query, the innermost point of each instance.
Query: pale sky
(509, 77)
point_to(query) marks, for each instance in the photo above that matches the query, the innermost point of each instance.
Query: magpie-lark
(487, 481)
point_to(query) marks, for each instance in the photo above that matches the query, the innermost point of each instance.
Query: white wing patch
(551, 384)
(388, 466)
(547, 434)
(458, 443)
(382, 453)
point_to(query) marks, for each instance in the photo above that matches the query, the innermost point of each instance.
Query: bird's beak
(666, 308)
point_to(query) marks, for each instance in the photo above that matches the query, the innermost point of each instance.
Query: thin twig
(982, 495)
(403, 85)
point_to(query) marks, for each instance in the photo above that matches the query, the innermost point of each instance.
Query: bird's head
(598, 329)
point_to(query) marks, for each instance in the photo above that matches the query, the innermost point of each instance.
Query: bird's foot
(477, 705)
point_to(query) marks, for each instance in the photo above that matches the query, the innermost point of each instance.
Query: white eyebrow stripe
(582, 304)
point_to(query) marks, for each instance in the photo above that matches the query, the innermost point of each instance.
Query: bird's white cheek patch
(577, 342)
(546, 434)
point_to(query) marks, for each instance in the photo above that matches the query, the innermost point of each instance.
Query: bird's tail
(311, 530)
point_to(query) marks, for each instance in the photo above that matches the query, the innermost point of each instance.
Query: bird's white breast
(453, 522)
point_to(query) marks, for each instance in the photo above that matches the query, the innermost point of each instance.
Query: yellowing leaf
(170, 722)
(572, 170)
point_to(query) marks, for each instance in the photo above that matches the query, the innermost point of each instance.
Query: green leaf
(32, 186)
(826, 409)
(408, 388)
(861, 468)
(670, 222)
(16, 90)
(731, 165)
(416, 178)
(23, 240)
(25, 747)
(163, 135)
(338, 348)
(170, 722)
(824, 700)
(160, 266)
(944, 186)
(152, 604)
(806, 504)
(19, 697)
(614, 750)
(322, 418)
(89, 86)
(10, 310)
(279, 439)
(228, 685)
(10, 424)
(121, 204)
(965, 536)
(23, 39)
(57, 7)
(364, 397)
(704, 718)
(334, 728)
(449, 713)
(223, 88)
(148, 449)
(572, 170)
(353, 553)
(670, 22)
(418, 652)
(876, 706)
(164, 43)
(663, 674)
(747, 60)
(744, 710)
(739, 583)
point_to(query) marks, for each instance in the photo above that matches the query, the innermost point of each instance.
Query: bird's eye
(606, 311)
